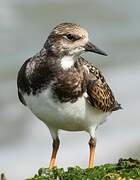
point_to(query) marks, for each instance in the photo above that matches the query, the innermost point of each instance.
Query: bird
(64, 90)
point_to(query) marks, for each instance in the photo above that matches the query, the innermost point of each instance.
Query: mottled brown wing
(22, 82)
(99, 93)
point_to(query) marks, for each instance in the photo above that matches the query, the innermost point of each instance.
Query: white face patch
(77, 51)
(67, 62)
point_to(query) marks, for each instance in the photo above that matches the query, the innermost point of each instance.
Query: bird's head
(71, 40)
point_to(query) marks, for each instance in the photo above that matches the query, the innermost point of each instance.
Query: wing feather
(99, 92)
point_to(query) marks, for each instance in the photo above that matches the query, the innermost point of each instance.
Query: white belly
(78, 116)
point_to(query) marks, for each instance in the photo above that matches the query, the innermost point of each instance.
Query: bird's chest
(66, 115)
(71, 116)
(69, 85)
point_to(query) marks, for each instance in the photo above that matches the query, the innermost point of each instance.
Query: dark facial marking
(72, 37)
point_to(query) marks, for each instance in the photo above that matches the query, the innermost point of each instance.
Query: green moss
(125, 169)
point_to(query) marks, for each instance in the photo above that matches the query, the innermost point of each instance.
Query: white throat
(67, 62)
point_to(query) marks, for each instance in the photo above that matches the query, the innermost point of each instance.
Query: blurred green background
(114, 26)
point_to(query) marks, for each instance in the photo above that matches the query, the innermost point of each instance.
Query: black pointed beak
(92, 48)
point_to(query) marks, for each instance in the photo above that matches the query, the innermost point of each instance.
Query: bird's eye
(72, 37)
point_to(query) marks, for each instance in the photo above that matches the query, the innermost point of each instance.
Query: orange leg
(92, 145)
(56, 143)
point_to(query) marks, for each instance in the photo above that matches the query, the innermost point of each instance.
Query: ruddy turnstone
(63, 89)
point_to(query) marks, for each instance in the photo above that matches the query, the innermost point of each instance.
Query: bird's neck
(65, 61)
